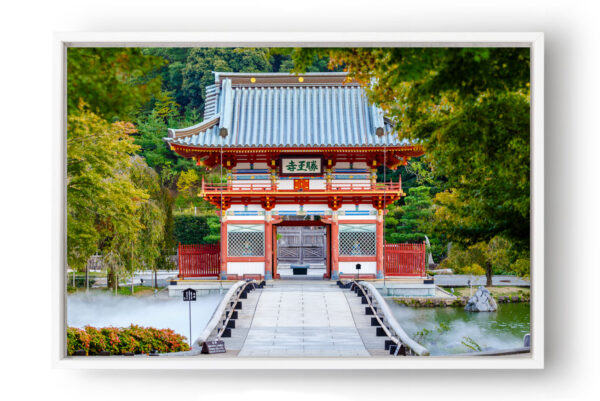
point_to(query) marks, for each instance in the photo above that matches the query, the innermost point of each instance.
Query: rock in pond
(482, 301)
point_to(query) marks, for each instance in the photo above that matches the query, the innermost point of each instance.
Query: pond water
(502, 329)
(103, 310)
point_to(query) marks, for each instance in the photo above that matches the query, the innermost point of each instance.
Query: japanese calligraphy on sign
(301, 166)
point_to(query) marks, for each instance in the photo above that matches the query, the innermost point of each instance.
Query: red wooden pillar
(268, 250)
(335, 249)
(223, 250)
(379, 244)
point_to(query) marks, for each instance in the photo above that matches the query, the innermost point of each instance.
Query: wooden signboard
(189, 295)
(213, 347)
(296, 166)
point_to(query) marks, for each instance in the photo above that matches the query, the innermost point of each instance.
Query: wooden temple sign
(300, 166)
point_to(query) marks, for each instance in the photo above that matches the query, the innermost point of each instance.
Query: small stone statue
(482, 301)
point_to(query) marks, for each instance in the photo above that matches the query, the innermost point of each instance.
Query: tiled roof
(285, 110)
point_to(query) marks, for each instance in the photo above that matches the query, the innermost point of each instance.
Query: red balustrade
(199, 260)
(252, 187)
(405, 259)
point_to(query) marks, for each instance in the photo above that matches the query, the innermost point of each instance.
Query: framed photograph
(299, 201)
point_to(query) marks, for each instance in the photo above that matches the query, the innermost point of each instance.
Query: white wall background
(572, 213)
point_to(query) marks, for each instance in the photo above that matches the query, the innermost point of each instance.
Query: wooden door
(301, 185)
(301, 245)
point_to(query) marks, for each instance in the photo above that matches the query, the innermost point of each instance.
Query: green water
(502, 329)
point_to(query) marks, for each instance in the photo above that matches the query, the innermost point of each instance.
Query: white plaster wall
(352, 207)
(245, 218)
(236, 207)
(296, 208)
(347, 165)
(285, 184)
(347, 182)
(365, 267)
(367, 219)
(316, 184)
(287, 207)
(242, 268)
(316, 207)
(257, 166)
(248, 182)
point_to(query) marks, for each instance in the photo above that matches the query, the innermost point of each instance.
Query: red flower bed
(117, 341)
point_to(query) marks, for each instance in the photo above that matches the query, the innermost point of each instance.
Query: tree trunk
(488, 274)
(110, 278)
(155, 279)
(87, 278)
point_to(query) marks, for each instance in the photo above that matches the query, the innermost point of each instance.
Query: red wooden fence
(405, 259)
(199, 260)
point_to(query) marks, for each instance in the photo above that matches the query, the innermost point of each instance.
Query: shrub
(521, 267)
(196, 229)
(496, 253)
(80, 281)
(136, 339)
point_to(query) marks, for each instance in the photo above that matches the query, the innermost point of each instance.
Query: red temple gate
(199, 260)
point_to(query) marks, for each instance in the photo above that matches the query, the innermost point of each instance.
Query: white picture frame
(533, 40)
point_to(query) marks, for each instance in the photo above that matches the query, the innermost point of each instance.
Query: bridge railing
(387, 321)
(222, 314)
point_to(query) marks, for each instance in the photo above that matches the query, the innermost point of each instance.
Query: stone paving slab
(461, 280)
(303, 319)
(374, 345)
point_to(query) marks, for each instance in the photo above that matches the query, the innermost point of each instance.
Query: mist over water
(103, 310)
(503, 329)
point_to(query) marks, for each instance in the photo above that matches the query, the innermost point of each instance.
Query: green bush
(80, 281)
(196, 229)
(136, 339)
(521, 267)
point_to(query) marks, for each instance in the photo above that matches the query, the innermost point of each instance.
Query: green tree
(150, 239)
(415, 214)
(201, 62)
(411, 222)
(152, 129)
(489, 258)
(172, 70)
(197, 229)
(114, 83)
(102, 202)
(470, 109)
(110, 204)
(189, 183)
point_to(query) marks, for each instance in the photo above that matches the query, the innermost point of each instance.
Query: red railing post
(179, 259)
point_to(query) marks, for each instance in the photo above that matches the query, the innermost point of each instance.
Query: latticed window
(357, 240)
(245, 240)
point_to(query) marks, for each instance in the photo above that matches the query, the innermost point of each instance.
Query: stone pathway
(303, 319)
(461, 280)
